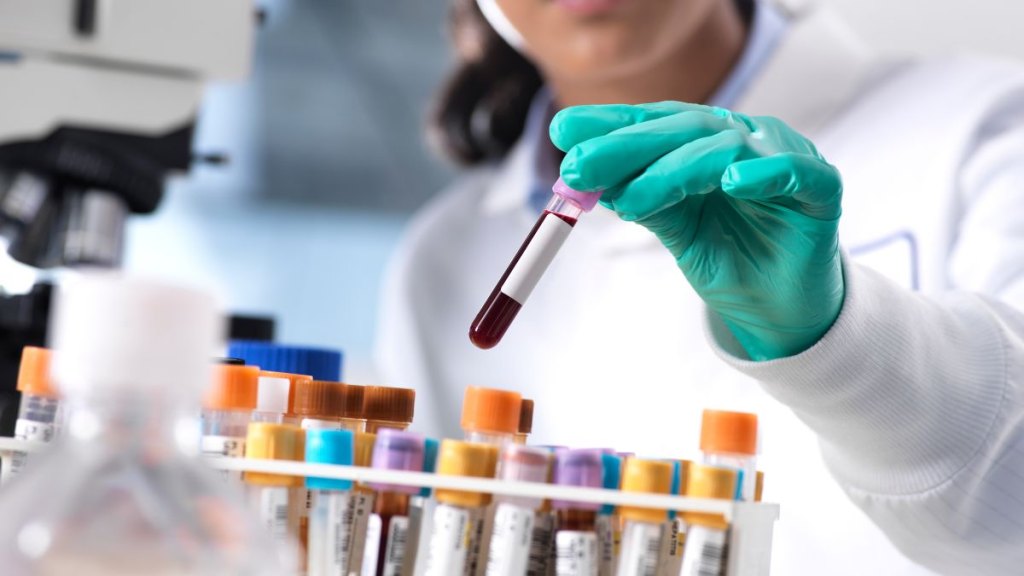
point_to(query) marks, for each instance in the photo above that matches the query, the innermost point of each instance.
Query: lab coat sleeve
(918, 401)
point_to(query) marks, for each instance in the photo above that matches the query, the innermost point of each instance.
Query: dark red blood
(500, 310)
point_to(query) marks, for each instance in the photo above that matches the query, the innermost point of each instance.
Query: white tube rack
(751, 524)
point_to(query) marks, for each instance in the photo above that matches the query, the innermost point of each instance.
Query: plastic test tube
(706, 534)
(421, 510)
(39, 409)
(730, 439)
(386, 407)
(490, 416)
(577, 547)
(271, 399)
(529, 264)
(641, 535)
(517, 544)
(525, 421)
(608, 533)
(330, 519)
(458, 518)
(227, 411)
(272, 494)
(365, 497)
(675, 539)
(393, 450)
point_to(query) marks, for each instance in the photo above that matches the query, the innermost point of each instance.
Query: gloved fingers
(815, 184)
(577, 124)
(610, 160)
(693, 169)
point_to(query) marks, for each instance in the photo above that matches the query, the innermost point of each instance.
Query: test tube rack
(751, 523)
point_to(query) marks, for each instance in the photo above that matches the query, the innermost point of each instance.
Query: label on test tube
(374, 527)
(704, 551)
(363, 511)
(641, 543)
(536, 258)
(511, 541)
(670, 559)
(228, 446)
(330, 532)
(24, 430)
(451, 537)
(604, 528)
(395, 546)
(576, 553)
(273, 512)
(542, 546)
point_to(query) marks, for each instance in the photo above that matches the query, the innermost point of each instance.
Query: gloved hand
(747, 207)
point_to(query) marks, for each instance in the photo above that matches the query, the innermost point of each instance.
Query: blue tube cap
(429, 461)
(612, 477)
(320, 363)
(325, 446)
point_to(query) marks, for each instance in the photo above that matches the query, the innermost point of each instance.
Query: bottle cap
(250, 328)
(274, 442)
(585, 200)
(583, 468)
(490, 410)
(320, 363)
(365, 442)
(272, 394)
(430, 449)
(34, 372)
(327, 446)
(398, 450)
(612, 478)
(714, 482)
(388, 404)
(526, 417)
(457, 458)
(325, 400)
(234, 388)
(653, 476)
(116, 334)
(293, 380)
(728, 432)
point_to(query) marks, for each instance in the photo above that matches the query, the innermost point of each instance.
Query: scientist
(882, 342)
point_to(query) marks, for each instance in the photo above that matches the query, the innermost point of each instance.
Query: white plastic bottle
(122, 491)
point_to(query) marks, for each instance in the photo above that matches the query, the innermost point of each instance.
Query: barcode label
(704, 554)
(605, 528)
(542, 546)
(15, 461)
(394, 549)
(451, 533)
(374, 528)
(640, 545)
(670, 557)
(363, 511)
(341, 513)
(273, 508)
(576, 553)
(330, 532)
(476, 554)
(510, 541)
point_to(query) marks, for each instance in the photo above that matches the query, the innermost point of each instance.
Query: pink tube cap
(585, 200)
(398, 450)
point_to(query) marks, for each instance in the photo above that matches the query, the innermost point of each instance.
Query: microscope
(98, 103)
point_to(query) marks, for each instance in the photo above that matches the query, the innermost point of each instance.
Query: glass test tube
(490, 416)
(272, 494)
(518, 545)
(38, 412)
(386, 407)
(641, 535)
(707, 534)
(271, 399)
(393, 450)
(525, 421)
(228, 406)
(330, 538)
(529, 264)
(458, 518)
(577, 547)
(730, 439)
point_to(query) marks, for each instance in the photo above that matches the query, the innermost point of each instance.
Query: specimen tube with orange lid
(519, 544)
(490, 416)
(273, 494)
(525, 421)
(706, 534)
(641, 536)
(729, 439)
(386, 407)
(319, 404)
(39, 408)
(227, 410)
(459, 515)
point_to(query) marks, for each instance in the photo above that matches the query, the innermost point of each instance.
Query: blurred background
(328, 160)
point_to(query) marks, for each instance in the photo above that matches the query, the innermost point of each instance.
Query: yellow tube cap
(275, 442)
(456, 458)
(652, 476)
(711, 482)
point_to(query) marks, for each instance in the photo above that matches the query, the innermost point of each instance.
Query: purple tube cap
(583, 468)
(398, 450)
(524, 463)
(585, 200)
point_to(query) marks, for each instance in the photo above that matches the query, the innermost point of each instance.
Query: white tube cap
(117, 334)
(272, 395)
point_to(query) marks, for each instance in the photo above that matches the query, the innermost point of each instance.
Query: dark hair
(483, 105)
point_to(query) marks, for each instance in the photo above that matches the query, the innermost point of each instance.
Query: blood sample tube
(386, 407)
(273, 495)
(641, 535)
(577, 548)
(707, 534)
(490, 416)
(525, 421)
(528, 265)
(365, 529)
(39, 409)
(394, 450)
(228, 407)
(730, 439)
(519, 545)
(330, 526)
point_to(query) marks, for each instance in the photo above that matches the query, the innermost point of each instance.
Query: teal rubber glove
(747, 207)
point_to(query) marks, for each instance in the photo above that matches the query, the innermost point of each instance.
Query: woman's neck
(690, 73)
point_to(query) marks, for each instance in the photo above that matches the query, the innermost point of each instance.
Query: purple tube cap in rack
(398, 450)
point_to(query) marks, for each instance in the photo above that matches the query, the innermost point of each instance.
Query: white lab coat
(898, 432)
